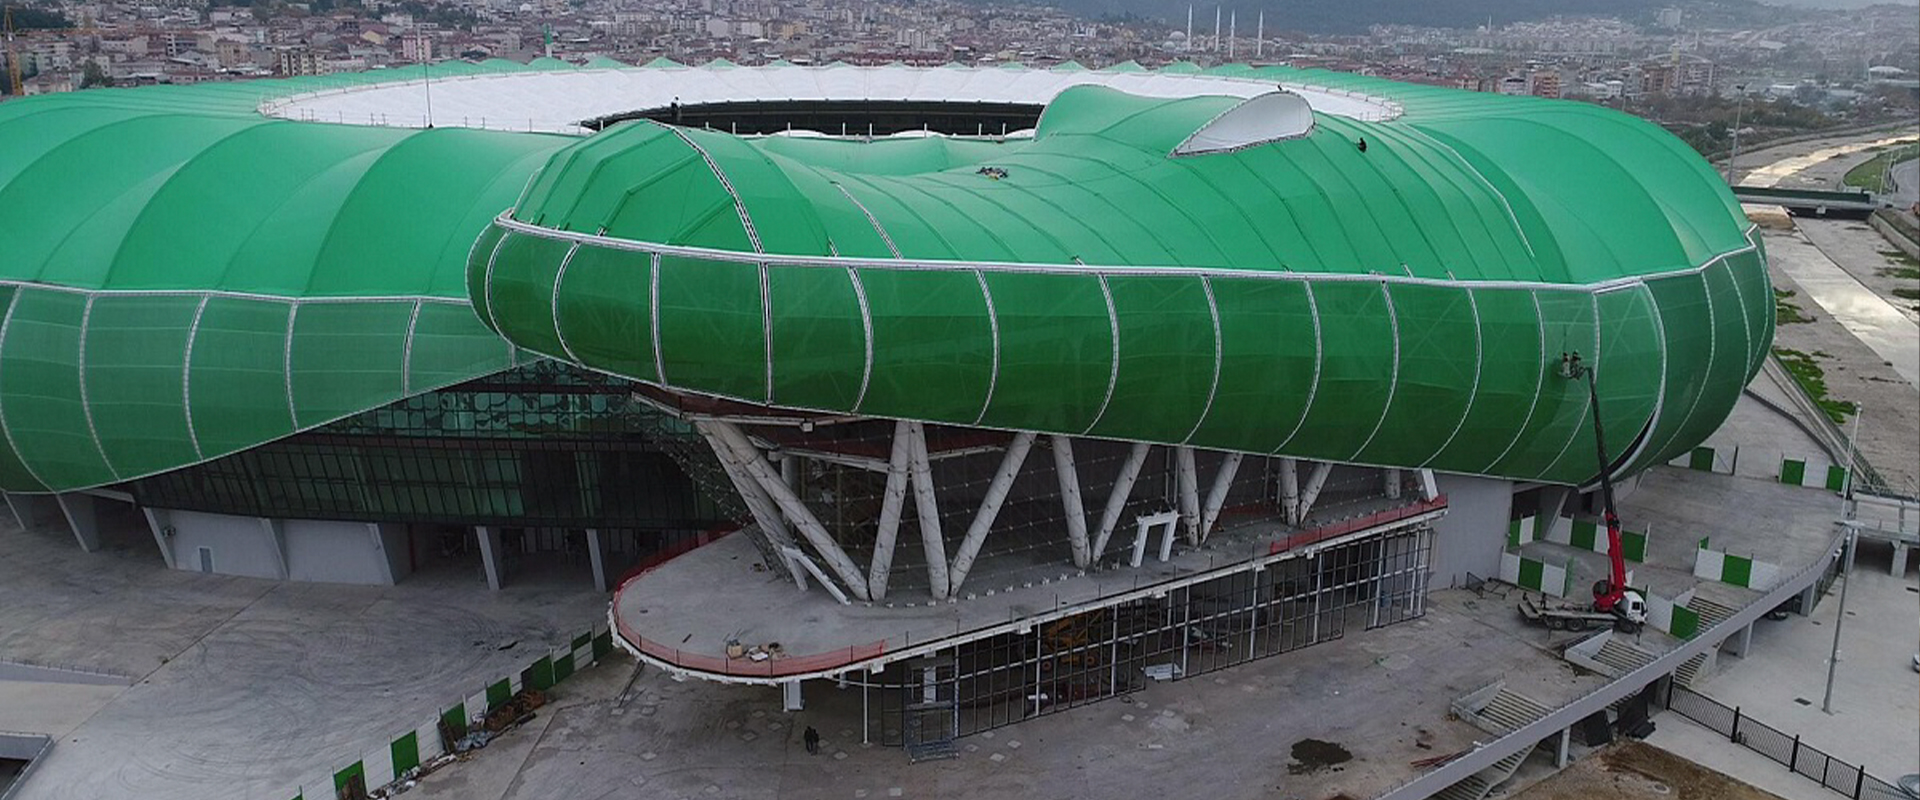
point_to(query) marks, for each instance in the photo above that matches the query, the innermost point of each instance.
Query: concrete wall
(337, 552)
(316, 550)
(1474, 531)
(398, 545)
(240, 545)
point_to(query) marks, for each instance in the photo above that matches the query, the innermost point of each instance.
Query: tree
(92, 75)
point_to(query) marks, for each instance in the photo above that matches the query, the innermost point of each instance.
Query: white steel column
(1391, 484)
(1070, 501)
(82, 518)
(490, 555)
(1290, 491)
(928, 508)
(790, 504)
(1429, 488)
(1311, 492)
(1217, 496)
(162, 524)
(891, 503)
(1117, 499)
(761, 506)
(1189, 490)
(597, 557)
(989, 509)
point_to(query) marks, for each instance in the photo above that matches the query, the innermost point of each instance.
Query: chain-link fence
(1800, 757)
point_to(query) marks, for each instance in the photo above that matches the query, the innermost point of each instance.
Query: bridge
(1808, 202)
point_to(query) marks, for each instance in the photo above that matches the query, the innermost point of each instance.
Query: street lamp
(1739, 105)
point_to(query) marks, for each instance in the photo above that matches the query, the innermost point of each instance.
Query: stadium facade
(1088, 375)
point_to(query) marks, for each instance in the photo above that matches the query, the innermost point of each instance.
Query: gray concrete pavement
(1866, 257)
(1876, 698)
(246, 688)
(1864, 314)
(1905, 177)
(1381, 694)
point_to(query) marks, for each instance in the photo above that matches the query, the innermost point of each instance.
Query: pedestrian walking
(813, 741)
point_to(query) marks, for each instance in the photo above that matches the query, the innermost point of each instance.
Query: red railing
(1346, 526)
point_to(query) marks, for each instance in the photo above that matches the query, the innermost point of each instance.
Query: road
(1906, 183)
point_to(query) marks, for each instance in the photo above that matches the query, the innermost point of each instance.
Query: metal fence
(1809, 761)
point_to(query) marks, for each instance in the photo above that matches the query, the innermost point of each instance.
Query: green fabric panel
(237, 379)
(1561, 422)
(345, 777)
(1267, 354)
(539, 675)
(13, 474)
(932, 345)
(1836, 478)
(1513, 534)
(1728, 370)
(1749, 272)
(498, 693)
(1627, 374)
(606, 311)
(1690, 341)
(1166, 358)
(1531, 573)
(1585, 535)
(1633, 546)
(449, 345)
(1439, 346)
(40, 366)
(767, 194)
(711, 337)
(521, 294)
(1056, 351)
(819, 340)
(455, 719)
(136, 351)
(1686, 623)
(602, 645)
(406, 753)
(581, 641)
(1737, 570)
(346, 358)
(1510, 376)
(562, 668)
(1356, 367)
(1793, 471)
(1701, 459)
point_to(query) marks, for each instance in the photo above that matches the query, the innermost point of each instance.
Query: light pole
(1846, 568)
(1739, 105)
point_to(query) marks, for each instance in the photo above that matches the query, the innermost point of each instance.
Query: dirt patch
(1635, 771)
(1312, 755)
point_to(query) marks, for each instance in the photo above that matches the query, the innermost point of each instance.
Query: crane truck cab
(1632, 608)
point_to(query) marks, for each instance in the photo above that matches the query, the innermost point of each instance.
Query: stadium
(780, 349)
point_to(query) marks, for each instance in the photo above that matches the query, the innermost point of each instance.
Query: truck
(1613, 602)
(1573, 617)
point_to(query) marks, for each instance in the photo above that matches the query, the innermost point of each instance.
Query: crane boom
(15, 84)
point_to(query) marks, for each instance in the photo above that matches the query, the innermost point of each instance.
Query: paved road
(1906, 182)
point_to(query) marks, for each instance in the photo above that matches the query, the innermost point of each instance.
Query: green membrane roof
(184, 278)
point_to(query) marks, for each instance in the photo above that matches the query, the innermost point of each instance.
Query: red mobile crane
(1612, 600)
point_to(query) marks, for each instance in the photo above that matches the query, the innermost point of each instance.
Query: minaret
(1233, 35)
(1216, 29)
(1188, 45)
(1260, 36)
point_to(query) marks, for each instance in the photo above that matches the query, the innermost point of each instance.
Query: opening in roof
(839, 117)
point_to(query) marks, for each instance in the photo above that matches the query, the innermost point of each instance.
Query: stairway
(1690, 671)
(1480, 784)
(1622, 657)
(1711, 613)
(931, 751)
